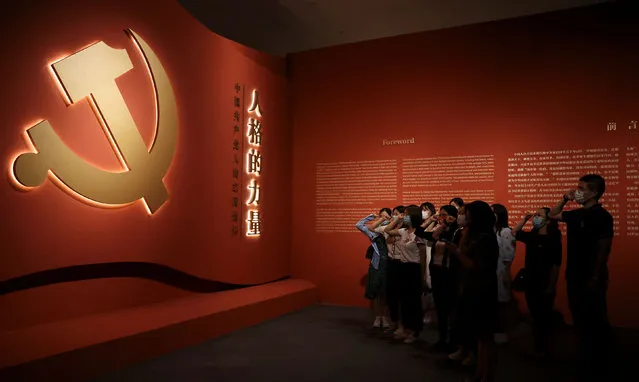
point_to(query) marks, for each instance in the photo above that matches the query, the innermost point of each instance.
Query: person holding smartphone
(542, 263)
(590, 233)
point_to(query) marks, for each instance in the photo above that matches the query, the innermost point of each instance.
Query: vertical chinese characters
(236, 211)
(254, 165)
(632, 191)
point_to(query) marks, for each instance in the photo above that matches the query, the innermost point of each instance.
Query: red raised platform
(83, 347)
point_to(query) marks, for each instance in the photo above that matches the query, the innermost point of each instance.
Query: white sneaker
(399, 334)
(385, 323)
(377, 323)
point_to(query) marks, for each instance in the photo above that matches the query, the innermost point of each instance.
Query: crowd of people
(461, 256)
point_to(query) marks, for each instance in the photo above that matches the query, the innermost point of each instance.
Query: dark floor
(329, 343)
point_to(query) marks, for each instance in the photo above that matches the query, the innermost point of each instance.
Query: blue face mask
(407, 220)
(385, 222)
(538, 222)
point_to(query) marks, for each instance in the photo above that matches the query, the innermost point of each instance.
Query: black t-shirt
(586, 226)
(451, 233)
(481, 279)
(422, 234)
(457, 236)
(542, 253)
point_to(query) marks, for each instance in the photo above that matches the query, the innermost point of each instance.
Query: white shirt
(506, 242)
(438, 253)
(429, 249)
(407, 247)
(380, 229)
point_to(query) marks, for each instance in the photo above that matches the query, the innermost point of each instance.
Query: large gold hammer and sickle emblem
(91, 73)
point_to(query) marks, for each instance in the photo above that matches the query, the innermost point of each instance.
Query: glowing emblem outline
(145, 168)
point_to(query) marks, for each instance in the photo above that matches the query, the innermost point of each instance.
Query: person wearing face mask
(428, 210)
(411, 250)
(466, 351)
(442, 270)
(372, 226)
(506, 241)
(543, 259)
(589, 237)
(393, 271)
(478, 253)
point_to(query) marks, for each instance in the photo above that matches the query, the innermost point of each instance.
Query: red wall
(546, 82)
(47, 229)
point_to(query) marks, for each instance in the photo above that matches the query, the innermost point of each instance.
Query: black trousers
(540, 305)
(410, 300)
(589, 312)
(392, 288)
(444, 295)
(462, 330)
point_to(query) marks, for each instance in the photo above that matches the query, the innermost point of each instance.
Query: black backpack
(369, 252)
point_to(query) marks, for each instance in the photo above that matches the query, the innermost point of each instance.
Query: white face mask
(580, 197)
(425, 214)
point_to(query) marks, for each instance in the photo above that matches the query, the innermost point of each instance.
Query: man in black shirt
(590, 234)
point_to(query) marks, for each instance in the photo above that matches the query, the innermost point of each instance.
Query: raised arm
(429, 222)
(431, 227)
(376, 223)
(362, 225)
(391, 228)
(521, 224)
(422, 233)
(556, 213)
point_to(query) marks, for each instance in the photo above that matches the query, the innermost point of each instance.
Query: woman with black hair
(478, 252)
(465, 342)
(392, 271)
(444, 275)
(409, 250)
(507, 308)
(506, 242)
(543, 260)
(373, 227)
(457, 203)
(428, 211)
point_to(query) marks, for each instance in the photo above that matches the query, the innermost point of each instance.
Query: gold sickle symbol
(91, 73)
